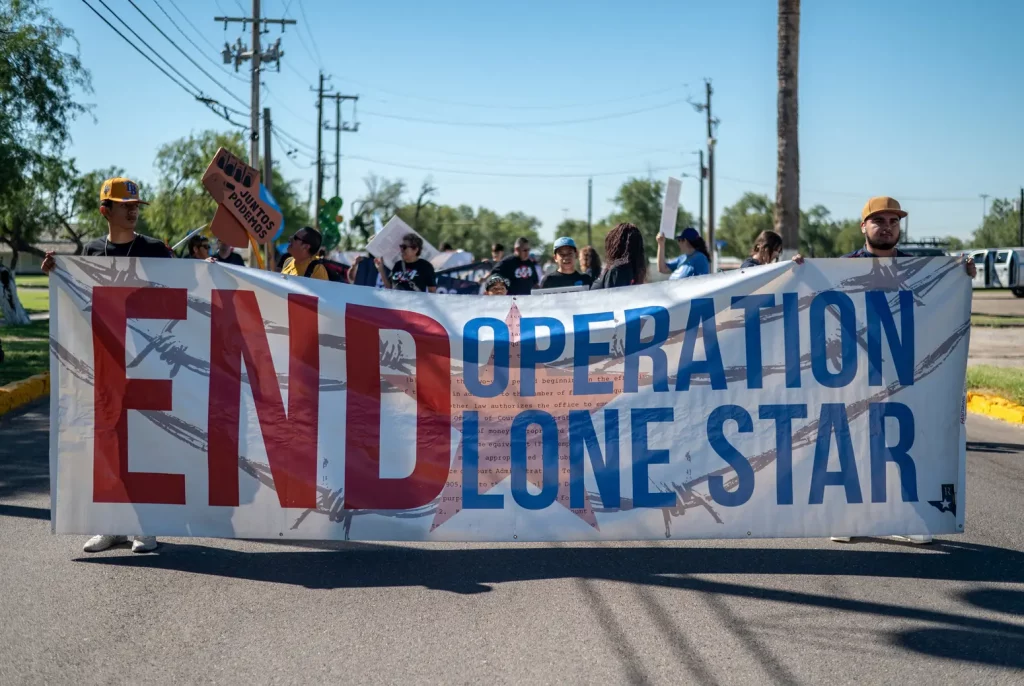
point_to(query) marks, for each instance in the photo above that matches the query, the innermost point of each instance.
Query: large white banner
(783, 401)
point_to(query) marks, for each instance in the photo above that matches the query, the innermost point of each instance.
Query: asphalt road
(716, 612)
(997, 302)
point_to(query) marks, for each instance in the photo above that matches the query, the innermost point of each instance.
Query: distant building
(29, 263)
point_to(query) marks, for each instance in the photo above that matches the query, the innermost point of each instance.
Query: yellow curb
(994, 406)
(18, 393)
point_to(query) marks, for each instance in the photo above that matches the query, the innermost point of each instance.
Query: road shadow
(25, 457)
(1002, 448)
(25, 511)
(475, 570)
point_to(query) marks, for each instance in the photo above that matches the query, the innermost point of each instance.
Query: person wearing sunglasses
(198, 247)
(303, 249)
(410, 272)
(519, 269)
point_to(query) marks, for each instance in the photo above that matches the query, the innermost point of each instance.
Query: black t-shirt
(864, 252)
(615, 277)
(521, 274)
(140, 246)
(560, 280)
(232, 258)
(418, 276)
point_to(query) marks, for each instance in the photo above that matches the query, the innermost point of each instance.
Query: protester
(625, 260)
(226, 254)
(880, 224)
(410, 272)
(198, 247)
(695, 259)
(496, 285)
(590, 262)
(767, 248)
(669, 266)
(119, 205)
(497, 253)
(519, 269)
(565, 260)
(303, 248)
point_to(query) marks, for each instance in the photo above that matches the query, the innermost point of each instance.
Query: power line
(209, 102)
(847, 194)
(137, 48)
(143, 41)
(298, 73)
(510, 106)
(309, 32)
(583, 175)
(192, 42)
(187, 56)
(286, 108)
(293, 140)
(564, 122)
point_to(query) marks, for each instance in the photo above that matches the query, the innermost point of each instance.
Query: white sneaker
(918, 540)
(144, 544)
(102, 542)
(841, 539)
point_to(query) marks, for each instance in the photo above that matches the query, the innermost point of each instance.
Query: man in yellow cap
(119, 205)
(880, 224)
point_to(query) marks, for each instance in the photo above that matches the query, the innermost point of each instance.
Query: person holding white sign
(411, 272)
(697, 260)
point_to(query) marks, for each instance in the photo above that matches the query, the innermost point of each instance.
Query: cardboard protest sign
(385, 244)
(245, 208)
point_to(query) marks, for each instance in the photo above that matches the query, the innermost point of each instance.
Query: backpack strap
(312, 265)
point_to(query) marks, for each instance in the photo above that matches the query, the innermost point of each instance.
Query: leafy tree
(382, 196)
(576, 229)
(639, 202)
(37, 80)
(472, 230)
(1001, 228)
(180, 202)
(742, 221)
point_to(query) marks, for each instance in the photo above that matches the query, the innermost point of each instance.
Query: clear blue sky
(919, 99)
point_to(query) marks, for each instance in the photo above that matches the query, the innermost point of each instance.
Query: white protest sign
(670, 209)
(385, 244)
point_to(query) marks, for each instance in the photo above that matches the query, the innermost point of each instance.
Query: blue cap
(563, 242)
(688, 234)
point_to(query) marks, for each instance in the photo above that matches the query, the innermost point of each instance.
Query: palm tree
(787, 188)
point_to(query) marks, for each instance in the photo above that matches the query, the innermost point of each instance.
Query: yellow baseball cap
(882, 203)
(120, 190)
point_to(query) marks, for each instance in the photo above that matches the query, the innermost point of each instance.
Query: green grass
(32, 281)
(996, 320)
(1006, 382)
(26, 351)
(34, 299)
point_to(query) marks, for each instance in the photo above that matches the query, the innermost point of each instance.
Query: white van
(999, 268)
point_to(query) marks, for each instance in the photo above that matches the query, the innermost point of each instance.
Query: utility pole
(319, 150)
(703, 175)
(1020, 219)
(590, 207)
(339, 126)
(238, 53)
(268, 176)
(711, 176)
(984, 208)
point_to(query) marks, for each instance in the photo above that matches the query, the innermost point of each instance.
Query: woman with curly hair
(625, 260)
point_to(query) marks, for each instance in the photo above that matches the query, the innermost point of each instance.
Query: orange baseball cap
(120, 190)
(882, 203)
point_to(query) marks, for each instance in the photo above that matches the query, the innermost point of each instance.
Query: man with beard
(880, 224)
